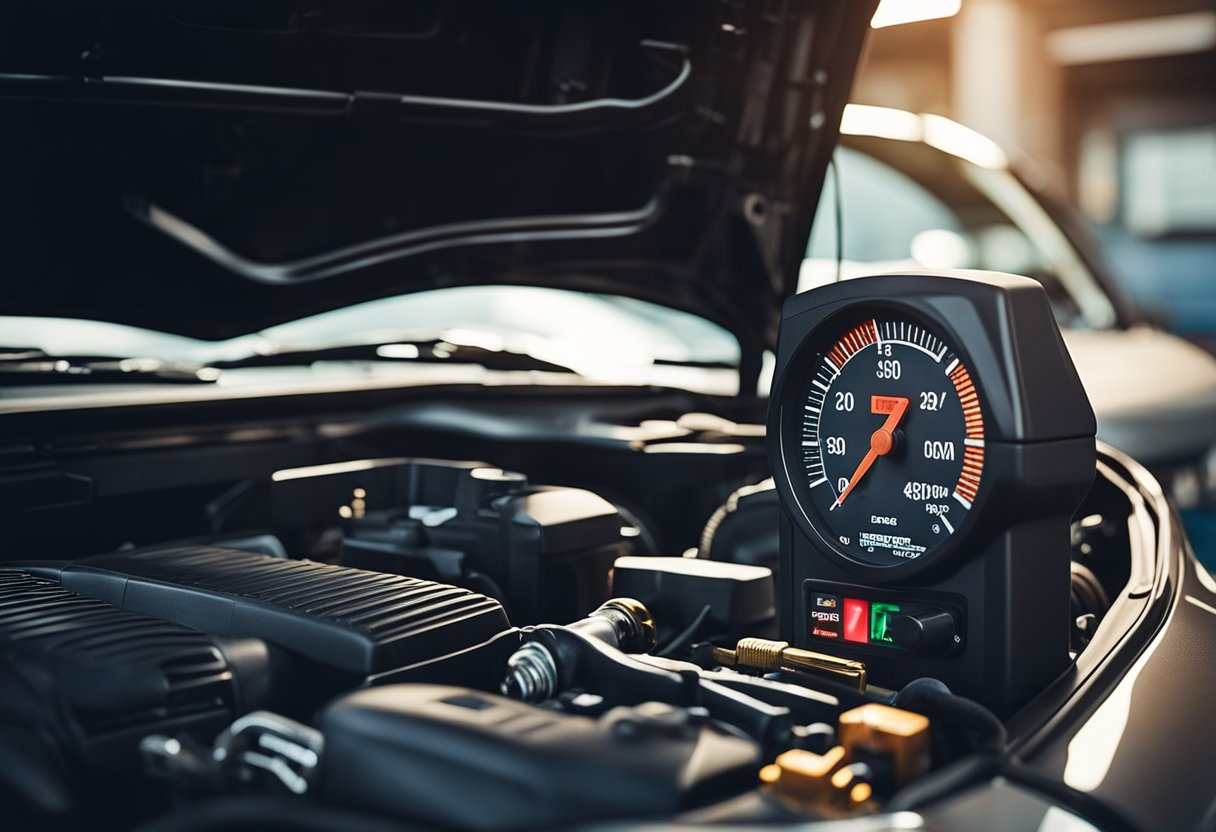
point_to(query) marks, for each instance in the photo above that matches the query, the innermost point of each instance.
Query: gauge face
(885, 440)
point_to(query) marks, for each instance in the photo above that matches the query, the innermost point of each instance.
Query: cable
(682, 639)
(711, 528)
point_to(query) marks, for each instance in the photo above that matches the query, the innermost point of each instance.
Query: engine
(199, 672)
(465, 649)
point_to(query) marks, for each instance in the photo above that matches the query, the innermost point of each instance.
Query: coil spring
(760, 653)
(531, 674)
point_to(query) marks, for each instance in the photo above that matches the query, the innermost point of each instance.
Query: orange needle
(881, 441)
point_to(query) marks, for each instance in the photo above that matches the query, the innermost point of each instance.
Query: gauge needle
(881, 441)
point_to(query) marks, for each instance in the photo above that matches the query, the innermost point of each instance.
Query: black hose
(956, 715)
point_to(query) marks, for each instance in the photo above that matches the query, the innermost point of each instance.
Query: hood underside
(211, 169)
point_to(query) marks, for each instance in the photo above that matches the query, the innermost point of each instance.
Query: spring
(531, 674)
(760, 653)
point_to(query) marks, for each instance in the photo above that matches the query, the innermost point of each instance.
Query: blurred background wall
(1110, 103)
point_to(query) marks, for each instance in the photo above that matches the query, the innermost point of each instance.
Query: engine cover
(368, 626)
(463, 759)
(83, 681)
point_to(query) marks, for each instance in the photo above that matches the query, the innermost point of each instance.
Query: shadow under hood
(211, 169)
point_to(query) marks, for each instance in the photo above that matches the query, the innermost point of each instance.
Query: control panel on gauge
(930, 440)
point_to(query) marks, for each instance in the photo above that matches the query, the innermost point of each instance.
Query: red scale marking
(973, 458)
(853, 342)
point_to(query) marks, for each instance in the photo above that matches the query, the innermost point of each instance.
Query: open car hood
(211, 169)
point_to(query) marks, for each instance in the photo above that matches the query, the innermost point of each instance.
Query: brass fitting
(802, 774)
(880, 729)
(763, 654)
(840, 782)
(643, 633)
(821, 781)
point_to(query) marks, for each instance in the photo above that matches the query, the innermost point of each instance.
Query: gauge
(930, 442)
(890, 438)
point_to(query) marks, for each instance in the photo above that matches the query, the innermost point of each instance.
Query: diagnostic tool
(930, 441)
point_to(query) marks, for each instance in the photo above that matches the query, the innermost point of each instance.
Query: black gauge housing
(1003, 566)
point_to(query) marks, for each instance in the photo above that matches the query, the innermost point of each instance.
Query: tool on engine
(764, 654)
(532, 671)
(592, 655)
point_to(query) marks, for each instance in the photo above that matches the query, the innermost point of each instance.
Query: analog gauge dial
(885, 440)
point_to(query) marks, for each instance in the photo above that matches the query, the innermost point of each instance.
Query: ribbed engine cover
(353, 620)
(115, 668)
(82, 682)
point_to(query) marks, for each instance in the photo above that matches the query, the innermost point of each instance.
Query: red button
(856, 620)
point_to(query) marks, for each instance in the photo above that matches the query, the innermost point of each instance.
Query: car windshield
(602, 338)
(910, 205)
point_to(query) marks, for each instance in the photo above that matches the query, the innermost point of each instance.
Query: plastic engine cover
(471, 760)
(82, 681)
(363, 623)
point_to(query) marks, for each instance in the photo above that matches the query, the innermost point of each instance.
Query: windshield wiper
(432, 351)
(20, 366)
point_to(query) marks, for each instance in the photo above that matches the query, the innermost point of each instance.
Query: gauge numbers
(891, 440)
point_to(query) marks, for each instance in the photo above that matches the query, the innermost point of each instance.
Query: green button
(880, 621)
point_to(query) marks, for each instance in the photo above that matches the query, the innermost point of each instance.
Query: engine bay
(390, 635)
(197, 672)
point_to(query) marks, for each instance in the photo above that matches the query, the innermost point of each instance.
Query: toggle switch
(923, 632)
